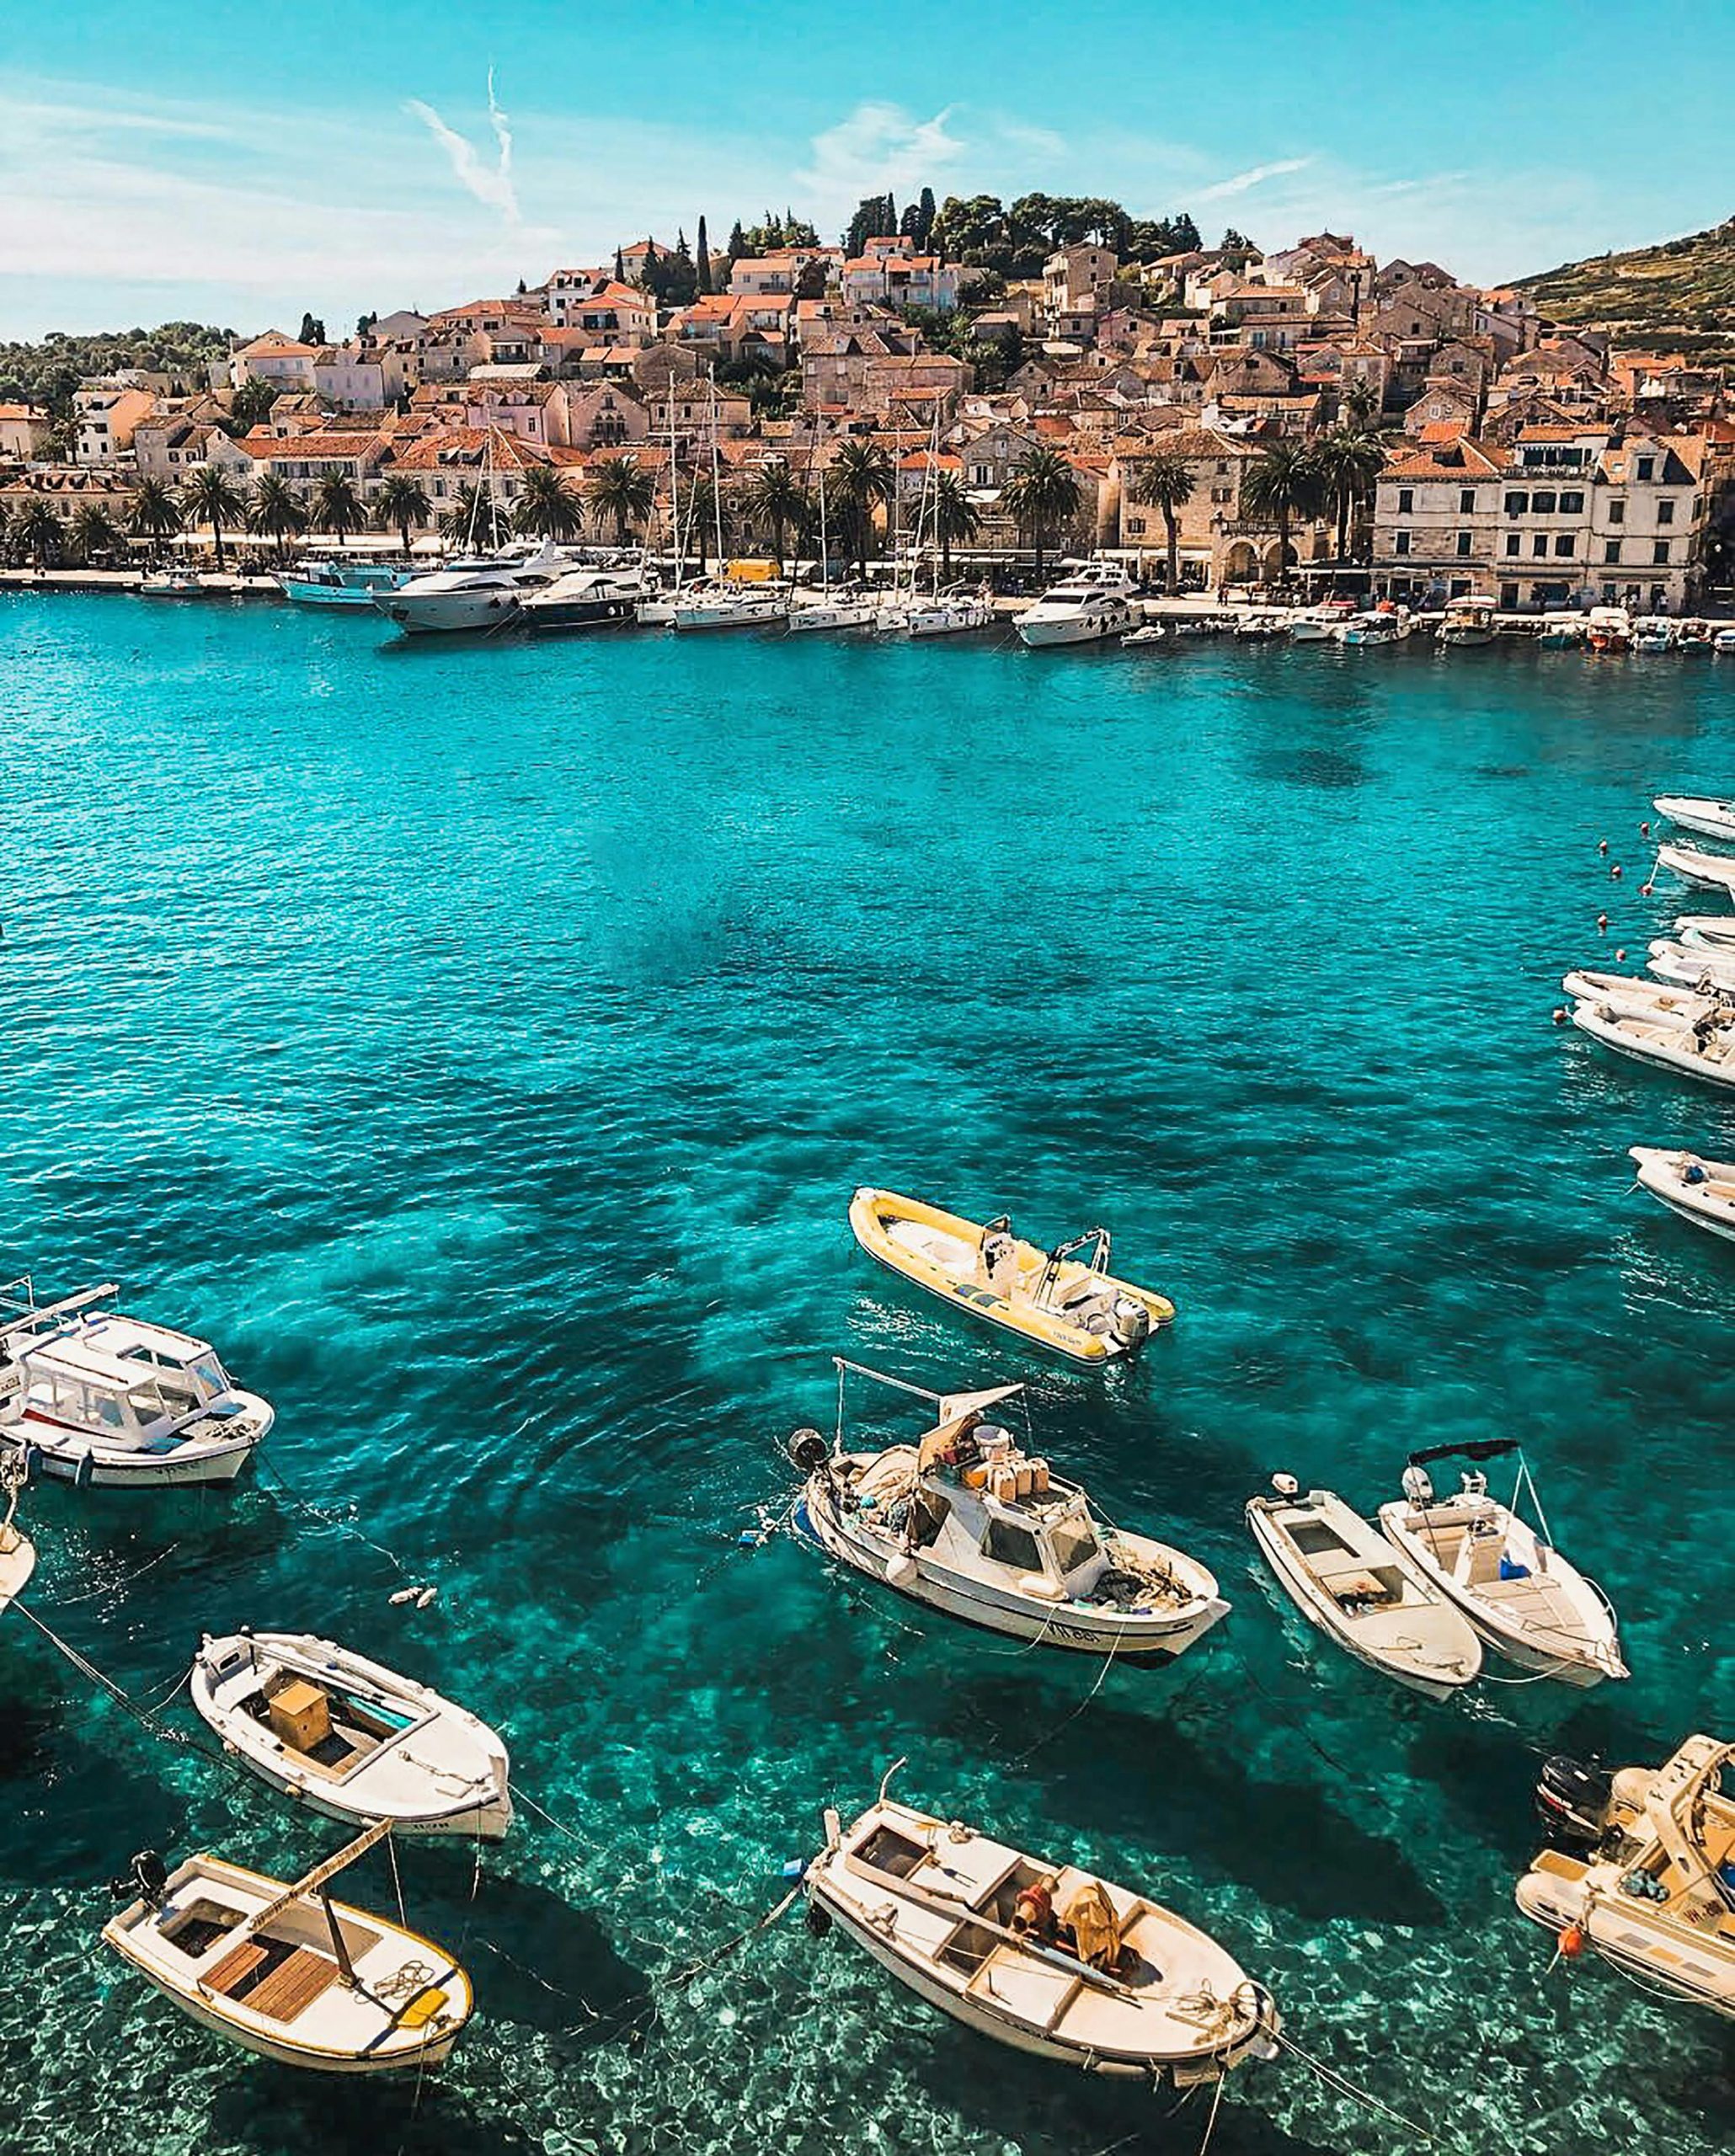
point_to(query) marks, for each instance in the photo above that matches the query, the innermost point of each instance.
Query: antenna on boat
(885, 1779)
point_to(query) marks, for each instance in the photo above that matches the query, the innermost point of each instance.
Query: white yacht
(842, 609)
(968, 1522)
(1382, 624)
(733, 607)
(483, 592)
(1088, 604)
(947, 614)
(1320, 624)
(1700, 813)
(332, 581)
(585, 599)
(96, 1398)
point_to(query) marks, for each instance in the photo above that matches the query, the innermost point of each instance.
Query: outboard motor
(1132, 1323)
(1418, 1488)
(808, 1450)
(144, 1879)
(1572, 1802)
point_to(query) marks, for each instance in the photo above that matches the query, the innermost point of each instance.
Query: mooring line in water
(146, 1717)
(270, 1473)
(548, 1818)
(114, 1587)
(1340, 2086)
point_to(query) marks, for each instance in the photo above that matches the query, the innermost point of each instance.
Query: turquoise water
(480, 1045)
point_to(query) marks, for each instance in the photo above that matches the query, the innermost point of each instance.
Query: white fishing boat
(1706, 931)
(1706, 972)
(1064, 1298)
(1700, 1191)
(18, 1553)
(286, 1971)
(1467, 620)
(585, 599)
(334, 581)
(968, 1522)
(1563, 633)
(1639, 1870)
(1723, 642)
(1652, 632)
(350, 1738)
(1704, 1050)
(1385, 623)
(1320, 624)
(483, 592)
(1347, 1580)
(1533, 1609)
(1631, 996)
(96, 1398)
(1048, 1959)
(173, 583)
(1092, 601)
(1708, 872)
(1696, 812)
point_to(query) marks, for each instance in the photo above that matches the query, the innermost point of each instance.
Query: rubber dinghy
(349, 1738)
(1053, 1298)
(1702, 1192)
(1526, 1602)
(1708, 1056)
(1631, 996)
(288, 1972)
(1048, 1959)
(1706, 931)
(1347, 1579)
(1706, 972)
(1709, 872)
(1696, 812)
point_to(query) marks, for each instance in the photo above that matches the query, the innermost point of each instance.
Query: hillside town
(1218, 418)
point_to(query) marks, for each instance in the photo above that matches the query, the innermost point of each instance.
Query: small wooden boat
(1638, 1870)
(288, 1972)
(18, 1553)
(1707, 973)
(1347, 1579)
(1633, 996)
(1706, 931)
(349, 1738)
(1696, 812)
(1054, 1298)
(966, 1523)
(1708, 872)
(1528, 1604)
(1700, 1191)
(1704, 1050)
(1046, 1958)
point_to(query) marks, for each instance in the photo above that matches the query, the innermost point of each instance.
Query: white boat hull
(1710, 820)
(1705, 872)
(1677, 1054)
(1041, 633)
(450, 613)
(73, 1457)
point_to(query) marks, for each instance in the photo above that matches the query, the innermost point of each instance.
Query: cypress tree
(704, 263)
(620, 267)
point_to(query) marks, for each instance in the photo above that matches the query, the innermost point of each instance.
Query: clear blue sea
(480, 1045)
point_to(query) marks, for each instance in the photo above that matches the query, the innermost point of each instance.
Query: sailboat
(725, 605)
(285, 1970)
(658, 612)
(952, 612)
(849, 609)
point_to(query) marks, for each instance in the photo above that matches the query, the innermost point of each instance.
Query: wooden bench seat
(236, 1965)
(293, 1985)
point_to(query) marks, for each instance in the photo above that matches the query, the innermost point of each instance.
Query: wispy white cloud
(878, 149)
(491, 184)
(1254, 176)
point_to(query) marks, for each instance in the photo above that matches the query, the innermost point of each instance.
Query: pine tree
(703, 264)
(737, 243)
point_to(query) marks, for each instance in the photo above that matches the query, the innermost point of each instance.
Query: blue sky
(239, 163)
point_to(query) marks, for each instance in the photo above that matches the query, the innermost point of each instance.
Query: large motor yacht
(481, 592)
(1088, 604)
(585, 599)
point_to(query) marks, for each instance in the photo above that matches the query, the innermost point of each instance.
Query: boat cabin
(126, 1384)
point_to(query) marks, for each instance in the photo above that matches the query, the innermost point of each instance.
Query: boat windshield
(1074, 1542)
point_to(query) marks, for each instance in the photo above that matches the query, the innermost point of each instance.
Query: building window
(1401, 543)
(1617, 512)
(1646, 468)
(1611, 550)
(1516, 505)
(1665, 512)
(1564, 544)
(1572, 505)
(1466, 506)
(1406, 500)
(1659, 553)
(1462, 542)
(1543, 503)
(1513, 541)
(1539, 545)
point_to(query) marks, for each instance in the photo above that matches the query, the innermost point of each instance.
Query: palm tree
(476, 517)
(277, 512)
(338, 507)
(95, 534)
(1283, 482)
(1358, 406)
(211, 497)
(623, 490)
(402, 502)
(861, 479)
(956, 522)
(156, 514)
(708, 505)
(1349, 463)
(1042, 494)
(547, 508)
(776, 499)
(1165, 481)
(36, 531)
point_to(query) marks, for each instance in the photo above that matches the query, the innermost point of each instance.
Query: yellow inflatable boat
(1065, 1299)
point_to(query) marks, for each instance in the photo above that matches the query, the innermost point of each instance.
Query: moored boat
(97, 1398)
(1467, 620)
(967, 1523)
(840, 610)
(1536, 1610)
(285, 1970)
(1148, 633)
(1706, 972)
(585, 599)
(173, 583)
(1698, 1190)
(1608, 629)
(1386, 623)
(1047, 1958)
(18, 1553)
(1710, 817)
(733, 607)
(1704, 1050)
(1638, 1870)
(482, 593)
(350, 1738)
(1631, 996)
(1653, 633)
(1347, 1580)
(1706, 871)
(1706, 931)
(948, 614)
(1091, 602)
(1059, 1298)
(333, 581)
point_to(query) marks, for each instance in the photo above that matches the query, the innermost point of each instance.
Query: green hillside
(1677, 297)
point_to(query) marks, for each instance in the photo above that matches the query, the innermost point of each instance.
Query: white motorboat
(1638, 1869)
(1347, 1580)
(1467, 620)
(1563, 633)
(585, 599)
(1090, 603)
(1724, 642)
(733, 607)
(1149, 632)
(482, 593)
(1608, 629)
(1533, 1609)
(969, 1524)
(1046, 1958)
(1264, 624)
(1700, 1191)
(173, 583)
(1632, 997)
(350, 1738)
(286, 1971)
(1652, 632)
(96, 1398)
(1704, 1050)
(1320, 624)
(1693, 635)
(1706, 972)
(1698, 812)
(1706, 931)
(1706, 871)
(18, 1553)
(840, 610)
(333, 581)
(1383, 624)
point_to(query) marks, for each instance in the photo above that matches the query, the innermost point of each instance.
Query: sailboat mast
(824, 551)
(674, 495)
(716, 473)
